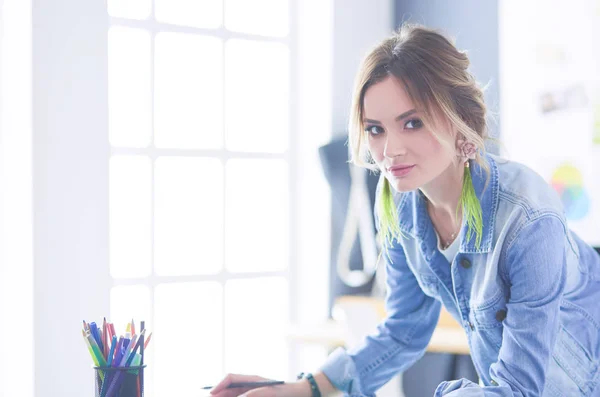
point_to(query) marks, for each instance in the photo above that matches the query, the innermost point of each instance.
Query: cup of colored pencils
(118, 361)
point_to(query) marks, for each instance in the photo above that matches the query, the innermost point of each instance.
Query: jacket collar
(415, 221)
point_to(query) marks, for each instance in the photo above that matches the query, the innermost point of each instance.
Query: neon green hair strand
(471, 208)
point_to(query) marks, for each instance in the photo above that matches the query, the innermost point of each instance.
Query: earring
(467, 150)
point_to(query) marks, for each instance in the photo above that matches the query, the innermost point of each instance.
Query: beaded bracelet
(313, 384)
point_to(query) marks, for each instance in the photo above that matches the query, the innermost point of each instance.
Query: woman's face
(405, 151)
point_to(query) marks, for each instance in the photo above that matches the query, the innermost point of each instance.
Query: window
(199, 184)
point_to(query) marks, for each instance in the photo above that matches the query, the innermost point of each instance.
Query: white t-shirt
(451, 251)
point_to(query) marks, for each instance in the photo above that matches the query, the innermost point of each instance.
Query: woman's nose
(393, 146)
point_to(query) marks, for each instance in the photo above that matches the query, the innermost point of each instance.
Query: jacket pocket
(489, 321)
(570, 371)
(429, 284)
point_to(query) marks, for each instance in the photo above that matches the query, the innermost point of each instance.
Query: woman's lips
(400, 170)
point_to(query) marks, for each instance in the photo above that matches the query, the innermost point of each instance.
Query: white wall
(358, 26)
(16, 259)
(313, 84)
(70, 150)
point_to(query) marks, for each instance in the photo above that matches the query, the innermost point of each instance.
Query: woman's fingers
(233, 378)
(262, 392)
(233, 392)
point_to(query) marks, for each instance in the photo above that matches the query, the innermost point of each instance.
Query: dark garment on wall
(334, 159)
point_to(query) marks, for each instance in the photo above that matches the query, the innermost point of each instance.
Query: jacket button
(464, 262)
(494, 383)
(500, 314)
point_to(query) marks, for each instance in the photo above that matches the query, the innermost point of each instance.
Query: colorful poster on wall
(567, 181)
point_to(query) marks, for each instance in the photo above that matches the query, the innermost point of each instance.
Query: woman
(485, 237)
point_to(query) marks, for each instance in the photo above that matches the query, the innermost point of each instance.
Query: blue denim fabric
(528, 298)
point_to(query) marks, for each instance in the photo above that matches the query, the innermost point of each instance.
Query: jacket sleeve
(396, 343)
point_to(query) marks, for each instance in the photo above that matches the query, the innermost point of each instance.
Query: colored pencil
(147, 341)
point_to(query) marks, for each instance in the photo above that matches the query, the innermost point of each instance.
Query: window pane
(257, 215)
(188, 96)
(130, 194)
(188, 216)
(256, 319)
(130, 303)
(263, 17)
(257, 96)
(189, 337)
(134, 9)
(202, 14)
(129, 87)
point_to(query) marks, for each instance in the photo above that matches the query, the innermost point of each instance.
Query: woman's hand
(294, 389)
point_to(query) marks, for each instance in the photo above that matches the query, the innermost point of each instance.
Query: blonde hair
(434, 74)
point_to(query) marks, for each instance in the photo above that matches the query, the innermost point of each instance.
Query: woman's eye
(374, 130)
(413, 124)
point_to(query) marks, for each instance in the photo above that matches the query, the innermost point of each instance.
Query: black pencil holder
(119, 381)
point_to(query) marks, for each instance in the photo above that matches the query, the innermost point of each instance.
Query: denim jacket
(528, 297)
